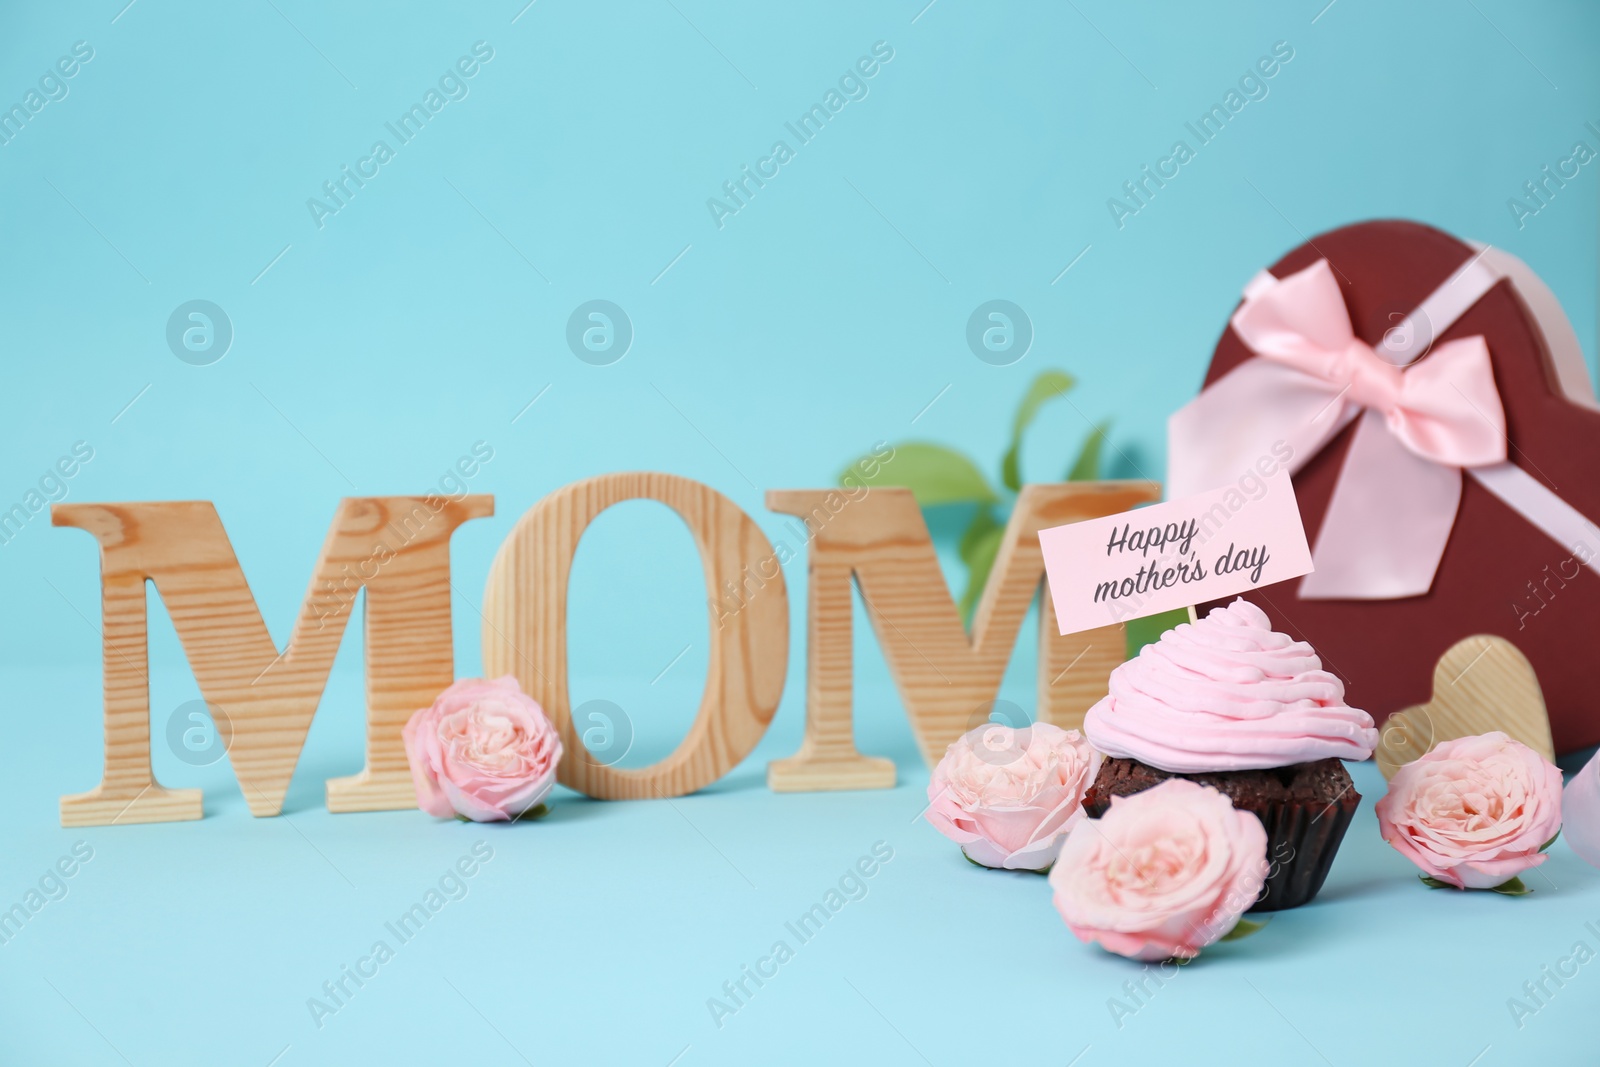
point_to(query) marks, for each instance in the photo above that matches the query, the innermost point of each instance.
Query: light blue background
(373, 352)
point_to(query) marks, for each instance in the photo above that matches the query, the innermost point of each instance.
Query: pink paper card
(1177, 554)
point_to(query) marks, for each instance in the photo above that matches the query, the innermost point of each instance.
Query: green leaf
(1149, 629)
(980, 545)
(1513, 888)
(1243, 928)
(1086, 468)
(977, 530)
(1550, 842)
(532, 813)
(936, 474)
(1434, 883)
(1047, 386)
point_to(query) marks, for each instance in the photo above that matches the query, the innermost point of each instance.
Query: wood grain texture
(1480, 684)
(946, 678)
(396, 548)
(525, 617)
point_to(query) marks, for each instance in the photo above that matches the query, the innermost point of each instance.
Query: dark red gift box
(1499, 573)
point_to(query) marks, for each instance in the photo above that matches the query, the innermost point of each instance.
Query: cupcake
(1230, 703)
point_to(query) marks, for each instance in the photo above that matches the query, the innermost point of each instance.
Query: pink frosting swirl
(1227, 693)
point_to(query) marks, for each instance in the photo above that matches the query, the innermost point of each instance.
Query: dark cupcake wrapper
(1305, 808)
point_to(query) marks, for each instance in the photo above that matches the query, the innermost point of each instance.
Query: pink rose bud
(1007, 796)
(1166, 872)
(1475, 812)
(484, 750)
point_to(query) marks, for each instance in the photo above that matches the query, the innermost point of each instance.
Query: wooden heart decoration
(1480, 684)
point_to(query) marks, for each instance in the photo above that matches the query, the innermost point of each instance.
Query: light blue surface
(600, 933)
(830, 312)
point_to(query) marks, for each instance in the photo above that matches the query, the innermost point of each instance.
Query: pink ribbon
(1395, 502)
(1580, 812)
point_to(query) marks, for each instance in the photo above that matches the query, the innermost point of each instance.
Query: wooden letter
(397, 548)
(946, 678)
(525, 622)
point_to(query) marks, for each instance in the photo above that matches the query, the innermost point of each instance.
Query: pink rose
(1006, 796)
(1163, 874)
(1474, 812)
(484, 750)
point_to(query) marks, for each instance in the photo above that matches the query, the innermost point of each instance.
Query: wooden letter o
(525, 628)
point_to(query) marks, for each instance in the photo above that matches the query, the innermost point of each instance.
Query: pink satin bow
(1395, 502)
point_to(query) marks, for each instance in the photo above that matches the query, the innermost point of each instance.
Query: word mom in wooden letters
(395, 550)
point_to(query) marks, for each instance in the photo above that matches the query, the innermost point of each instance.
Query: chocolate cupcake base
(1305, 808)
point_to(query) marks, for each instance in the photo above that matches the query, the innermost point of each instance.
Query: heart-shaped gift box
(1499, 573)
